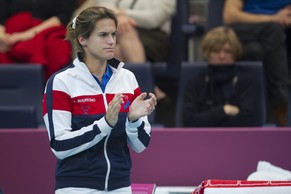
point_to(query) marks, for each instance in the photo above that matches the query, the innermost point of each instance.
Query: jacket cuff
(134, 124)
(104, 127)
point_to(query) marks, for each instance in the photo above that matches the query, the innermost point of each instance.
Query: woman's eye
(103, 35)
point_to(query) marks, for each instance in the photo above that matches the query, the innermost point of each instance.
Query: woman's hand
(141, 107)
(113, 109)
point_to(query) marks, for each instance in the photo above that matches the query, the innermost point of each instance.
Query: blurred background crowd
(167, 34)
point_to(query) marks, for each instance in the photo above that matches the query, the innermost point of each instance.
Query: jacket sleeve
(246, 94)
(64, 141)
(138, 134)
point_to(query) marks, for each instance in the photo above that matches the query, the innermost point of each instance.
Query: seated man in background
(263, 26)
(222, 97)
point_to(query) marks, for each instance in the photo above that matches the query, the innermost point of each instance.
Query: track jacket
(92, 154)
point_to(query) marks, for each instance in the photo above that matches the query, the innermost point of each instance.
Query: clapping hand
(113, 109)
(142, 107)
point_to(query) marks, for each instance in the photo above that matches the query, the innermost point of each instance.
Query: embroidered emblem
(85, 109)
(126, 102)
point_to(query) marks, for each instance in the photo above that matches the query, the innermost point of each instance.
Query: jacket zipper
(108, 163)
(105, 151)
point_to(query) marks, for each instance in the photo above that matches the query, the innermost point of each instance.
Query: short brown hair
(217, 37)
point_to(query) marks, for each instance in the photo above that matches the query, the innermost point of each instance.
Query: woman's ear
(82, 41)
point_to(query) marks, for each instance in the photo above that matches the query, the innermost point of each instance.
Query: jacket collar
(114, 63)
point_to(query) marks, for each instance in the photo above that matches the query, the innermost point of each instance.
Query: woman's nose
(111, 39)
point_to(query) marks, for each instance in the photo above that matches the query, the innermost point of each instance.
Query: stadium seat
(214, 16)
(144, 75)
(18, 117)
(21, 91)
(181, 32)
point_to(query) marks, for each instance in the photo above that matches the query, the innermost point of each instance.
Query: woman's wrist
(132, 120)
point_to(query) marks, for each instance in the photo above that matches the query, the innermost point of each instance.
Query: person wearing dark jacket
(221, 97)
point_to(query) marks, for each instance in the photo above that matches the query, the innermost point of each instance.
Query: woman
(93, 108)
(222, 96)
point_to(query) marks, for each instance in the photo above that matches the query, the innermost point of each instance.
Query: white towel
(267, 171)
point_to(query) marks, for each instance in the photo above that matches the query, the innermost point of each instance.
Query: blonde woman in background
(222, 97)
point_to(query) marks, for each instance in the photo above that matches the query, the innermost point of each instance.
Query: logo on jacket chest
(82, 100)
(84, 105)
(88, 105)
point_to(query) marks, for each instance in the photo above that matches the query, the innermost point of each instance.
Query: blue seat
(189, 70)
(21, 92)
(18, 117)
(215, 11)
(181, 32)
(144, 75)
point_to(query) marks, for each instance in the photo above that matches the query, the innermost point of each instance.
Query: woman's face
(223, 56)
(101, 43)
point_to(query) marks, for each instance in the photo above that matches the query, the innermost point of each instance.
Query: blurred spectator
(264, 29)
(144, 27)
(34, 31)
(221, 97)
